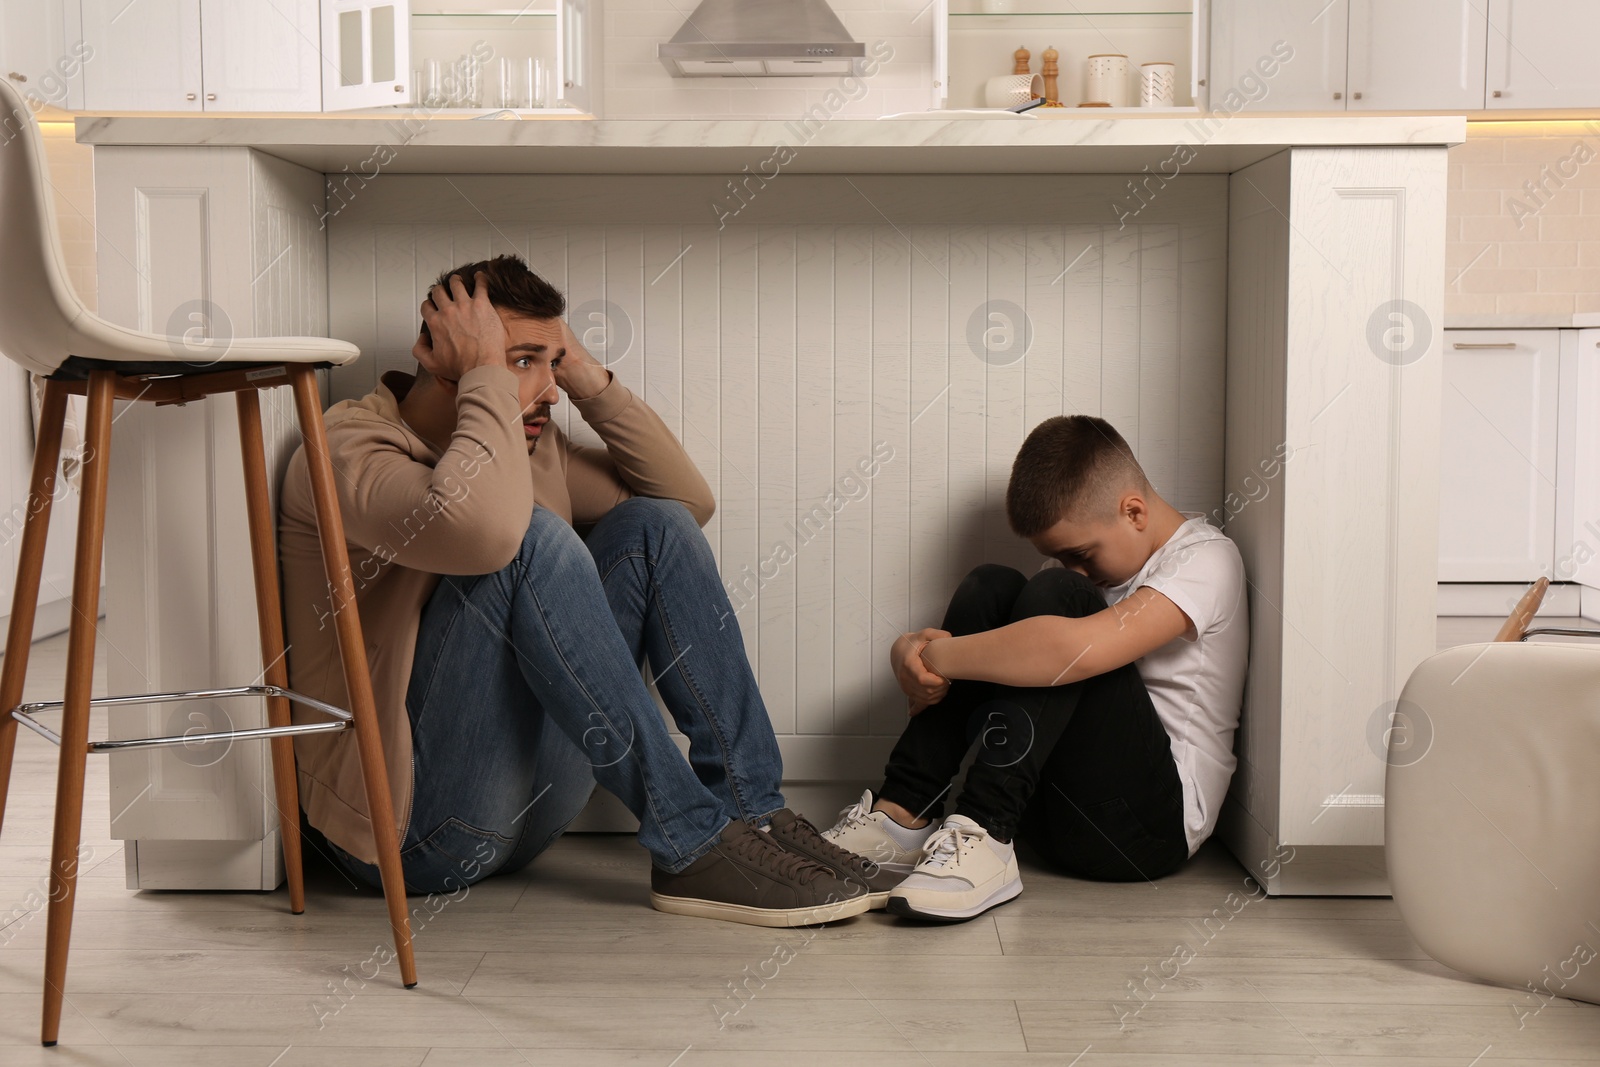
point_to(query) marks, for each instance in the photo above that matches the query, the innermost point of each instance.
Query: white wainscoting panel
(813, 355)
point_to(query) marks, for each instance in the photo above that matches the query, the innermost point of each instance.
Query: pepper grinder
(1021, 56)
(1052, 69)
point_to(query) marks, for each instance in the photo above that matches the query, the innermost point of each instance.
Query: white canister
(1009, 90)
(1157, 84)
(1105, 80)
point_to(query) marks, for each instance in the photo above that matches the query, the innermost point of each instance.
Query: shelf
(1007, 15)
(508, 20)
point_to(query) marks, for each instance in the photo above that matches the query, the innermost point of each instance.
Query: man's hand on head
(459, 332)
(579, 374)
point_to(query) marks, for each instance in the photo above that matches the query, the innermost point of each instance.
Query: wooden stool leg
(269, 621)
(353, 654)
(25, 599)
(75, 715)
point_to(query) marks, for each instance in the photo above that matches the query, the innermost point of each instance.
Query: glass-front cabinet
(461, 55)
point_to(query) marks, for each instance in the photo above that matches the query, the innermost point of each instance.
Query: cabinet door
(578, 57)
(1416, 54)
(941, 54)
(36, 56)
(261, 55)
(1498, 434)
(366, 53)
(1541, 53)
(1579, 558)
(1248, 38)
(146, 55)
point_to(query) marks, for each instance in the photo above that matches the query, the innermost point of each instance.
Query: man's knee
(548, 533)
(653, 512)
(1059, 591)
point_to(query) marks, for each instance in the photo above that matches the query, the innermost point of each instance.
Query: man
(505, 650)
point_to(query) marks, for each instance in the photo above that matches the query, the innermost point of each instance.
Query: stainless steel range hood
(743, 38)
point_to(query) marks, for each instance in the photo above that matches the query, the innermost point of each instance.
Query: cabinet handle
(1355, 96)
(211, 96)
(399, 88)
(1338, 96)
(14, 76)
(188, 96)
(1489, 344)
(1498, 94)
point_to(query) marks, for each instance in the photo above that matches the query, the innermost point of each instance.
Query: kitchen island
(1255, 302)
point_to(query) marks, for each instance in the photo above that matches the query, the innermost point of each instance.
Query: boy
(505, 650)
(1104, 693)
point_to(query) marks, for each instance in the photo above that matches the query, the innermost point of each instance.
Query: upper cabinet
(1413, 55)
(368, 46)
(146, 56)
(1422, 54)
(1541, 53)
(333, 55)
(1306, 38)
(200, 55)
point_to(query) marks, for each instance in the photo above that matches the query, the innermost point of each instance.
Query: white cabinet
(197, 55)
(147, 55)
(1579, 560)
(368, 49)
(16, 473)
(1541, 53)
(1400, 55)
(1424, 54)
(42, 51)
(260, 55)
(1245, 33)
(1498, 448)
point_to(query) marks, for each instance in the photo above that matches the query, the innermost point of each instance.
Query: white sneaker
(964, 872)
(879, 838)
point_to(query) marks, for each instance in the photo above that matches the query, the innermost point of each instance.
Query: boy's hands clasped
(922, 686)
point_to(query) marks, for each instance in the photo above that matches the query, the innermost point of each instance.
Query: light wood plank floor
(566, 963)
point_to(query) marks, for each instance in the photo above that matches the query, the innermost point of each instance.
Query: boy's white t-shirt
(1197, 686)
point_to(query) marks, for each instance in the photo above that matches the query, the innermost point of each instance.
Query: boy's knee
(993, 581)
(1058, 591)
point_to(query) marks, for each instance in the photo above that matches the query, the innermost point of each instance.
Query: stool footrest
(1559, 631)
(339, 718)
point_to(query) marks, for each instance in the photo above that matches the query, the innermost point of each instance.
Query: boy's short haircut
(1075, 466)
(512, 286)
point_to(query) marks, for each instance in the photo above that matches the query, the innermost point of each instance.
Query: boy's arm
(1054, 650)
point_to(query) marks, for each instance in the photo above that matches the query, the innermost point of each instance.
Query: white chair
(1492, 810)
(49, 331)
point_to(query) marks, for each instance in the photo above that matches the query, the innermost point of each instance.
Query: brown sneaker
(747, 877)
(796, 834)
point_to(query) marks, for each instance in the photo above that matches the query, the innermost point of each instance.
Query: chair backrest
(36, 327)
(1492, 826)
(1521, 616)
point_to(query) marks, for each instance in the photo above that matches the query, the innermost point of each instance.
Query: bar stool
(49, 332)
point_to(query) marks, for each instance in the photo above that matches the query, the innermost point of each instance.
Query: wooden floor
(566, 963)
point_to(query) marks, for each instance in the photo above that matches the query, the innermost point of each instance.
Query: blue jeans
(526, 690)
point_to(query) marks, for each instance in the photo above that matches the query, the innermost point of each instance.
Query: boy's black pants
(1084, 770)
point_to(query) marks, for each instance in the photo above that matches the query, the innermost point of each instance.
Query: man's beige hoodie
(411, 514)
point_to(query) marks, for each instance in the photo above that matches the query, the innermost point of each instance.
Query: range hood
(741, 38)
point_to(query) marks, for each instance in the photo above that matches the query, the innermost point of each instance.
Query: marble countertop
(417, 141)
(1583, 320)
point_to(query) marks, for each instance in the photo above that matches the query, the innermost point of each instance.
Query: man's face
(1108, 551)
(533, 350)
